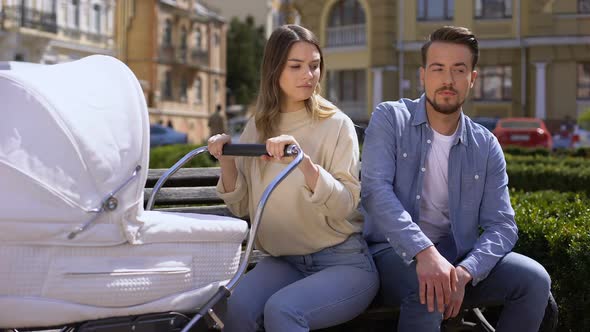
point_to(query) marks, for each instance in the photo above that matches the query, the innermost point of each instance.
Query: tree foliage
(245, 46)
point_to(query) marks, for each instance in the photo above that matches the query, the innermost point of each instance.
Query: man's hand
(457, 296)
(436, 276)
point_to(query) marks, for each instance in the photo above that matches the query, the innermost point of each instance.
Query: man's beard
(447, 109)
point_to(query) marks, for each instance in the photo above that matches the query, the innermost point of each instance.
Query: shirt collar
(421, 118)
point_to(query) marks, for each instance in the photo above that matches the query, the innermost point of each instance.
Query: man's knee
(532, 276)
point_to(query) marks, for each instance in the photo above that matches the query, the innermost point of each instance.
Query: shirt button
(476, 176)
(424, 170)
(417, 196)
(428, 141)
(403, 254)
(405, 154)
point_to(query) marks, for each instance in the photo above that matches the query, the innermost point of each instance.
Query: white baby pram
(75, 242)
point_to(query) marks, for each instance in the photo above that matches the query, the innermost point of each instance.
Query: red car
(525, 132)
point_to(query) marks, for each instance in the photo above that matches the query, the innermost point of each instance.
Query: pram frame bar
(252, 150)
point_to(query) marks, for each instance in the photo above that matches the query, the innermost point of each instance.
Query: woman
(319, 272)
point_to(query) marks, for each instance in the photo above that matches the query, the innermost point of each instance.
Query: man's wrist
(464, 276)
(426, 253)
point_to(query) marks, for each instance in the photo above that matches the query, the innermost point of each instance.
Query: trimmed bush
(518, 151)
(166, 156)
(554, 229)
(532, 177)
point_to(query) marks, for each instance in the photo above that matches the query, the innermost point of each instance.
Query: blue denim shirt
(397, 143)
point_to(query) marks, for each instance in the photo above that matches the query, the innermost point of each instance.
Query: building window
(346, 86)
(346, 25)
(436, 10)
(198, 39)
(216, 39)
(183, 38)
(183, 88)
(198, 91)
(493, 8)
(76, 12)
(584, 6)
(493, 83)
(216, 87)
(167, 33)
(97, 17)
(584, 80)
(167, 86)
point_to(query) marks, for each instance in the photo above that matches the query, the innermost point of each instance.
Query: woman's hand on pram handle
(216, 144)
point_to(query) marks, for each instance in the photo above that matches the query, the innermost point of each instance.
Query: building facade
(177, 49)
(55, 31)
(534, 55)
(267, 13)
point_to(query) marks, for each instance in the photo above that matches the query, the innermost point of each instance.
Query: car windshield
(521, 124)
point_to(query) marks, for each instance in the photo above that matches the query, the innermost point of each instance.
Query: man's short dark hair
(454, 35)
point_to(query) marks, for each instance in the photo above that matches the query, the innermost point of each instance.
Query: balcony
(349, 35)
(181, 55)
(35, 19)
(199, 58)
(167, 54)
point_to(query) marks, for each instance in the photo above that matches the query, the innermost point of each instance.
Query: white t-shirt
(434, 205)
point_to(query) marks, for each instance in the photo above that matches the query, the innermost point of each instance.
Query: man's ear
(473, 77)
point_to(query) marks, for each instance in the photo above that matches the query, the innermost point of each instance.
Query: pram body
(75, 241)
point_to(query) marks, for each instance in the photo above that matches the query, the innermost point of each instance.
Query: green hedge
(579, 152)
(554, 229)
(536, 160)
(166, 156)
(532, 177)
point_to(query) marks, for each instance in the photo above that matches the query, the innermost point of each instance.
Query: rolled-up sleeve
(379, 201)
(496, 219)
(337, 190)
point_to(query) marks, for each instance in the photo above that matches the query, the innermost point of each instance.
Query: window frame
(482, 16)
(480, 84)
(340, 6)
(579, 83)
(447, 16)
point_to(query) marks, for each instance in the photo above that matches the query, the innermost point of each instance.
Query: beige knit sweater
(297, 221)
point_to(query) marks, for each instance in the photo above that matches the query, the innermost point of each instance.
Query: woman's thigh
(246, 304)
(343, 284)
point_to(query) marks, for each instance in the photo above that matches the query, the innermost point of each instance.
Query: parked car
(525, 132)
(488, 122)
(161, 135)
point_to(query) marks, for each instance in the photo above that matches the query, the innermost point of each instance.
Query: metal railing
(349, 35)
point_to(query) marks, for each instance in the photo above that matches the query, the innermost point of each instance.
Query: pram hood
(70, 134)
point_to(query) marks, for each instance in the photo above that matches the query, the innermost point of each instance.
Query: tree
(245, 46)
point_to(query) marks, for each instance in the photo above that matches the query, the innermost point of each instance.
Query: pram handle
(254, 150)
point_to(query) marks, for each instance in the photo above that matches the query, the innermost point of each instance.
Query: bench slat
(185, 177)
(184, 195)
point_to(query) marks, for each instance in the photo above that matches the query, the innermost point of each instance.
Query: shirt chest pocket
(472, 186)
(407, 163)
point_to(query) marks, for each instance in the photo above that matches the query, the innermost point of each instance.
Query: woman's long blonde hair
(274, 60)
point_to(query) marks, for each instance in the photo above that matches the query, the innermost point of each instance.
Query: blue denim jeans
(304, 292)
(519, 283)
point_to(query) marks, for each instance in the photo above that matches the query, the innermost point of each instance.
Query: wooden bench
(192, 190)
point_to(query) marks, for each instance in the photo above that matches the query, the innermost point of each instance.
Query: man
(436, 203)
(216, 122)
